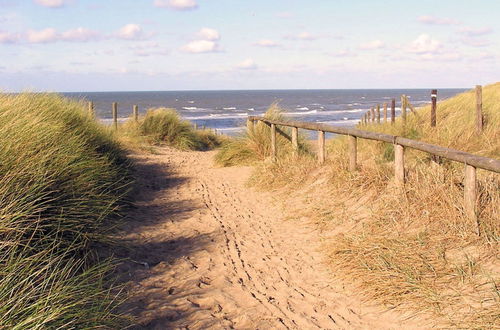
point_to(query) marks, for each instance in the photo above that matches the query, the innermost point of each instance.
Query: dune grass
(62, 178)
(164, 126)
(255, 143)
(412, 248)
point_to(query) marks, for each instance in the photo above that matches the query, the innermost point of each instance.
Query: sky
(129, 45)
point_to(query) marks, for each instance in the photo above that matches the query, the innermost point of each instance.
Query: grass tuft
(164, 126)
(255, 143)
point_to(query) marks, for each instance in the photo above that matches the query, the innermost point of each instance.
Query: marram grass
(163, 126)
(255, 143)
(62, 177)
(412, 249)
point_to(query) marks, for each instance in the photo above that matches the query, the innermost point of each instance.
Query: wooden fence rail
(472, 162)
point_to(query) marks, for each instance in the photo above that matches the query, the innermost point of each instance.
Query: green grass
(62, 178)
(164, 126)
(255, 143)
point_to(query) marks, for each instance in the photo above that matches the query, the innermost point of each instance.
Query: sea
(226, 111)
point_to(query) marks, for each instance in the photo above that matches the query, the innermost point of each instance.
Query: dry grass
(412, 248)
(255, 143)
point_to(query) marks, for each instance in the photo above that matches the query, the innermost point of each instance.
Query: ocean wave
(190, 108)
(303, 108)
(301, 113)
(229, 108)
(251, 109)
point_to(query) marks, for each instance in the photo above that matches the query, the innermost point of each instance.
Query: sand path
(204, 251)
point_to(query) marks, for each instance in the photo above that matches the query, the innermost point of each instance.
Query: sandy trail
(204, 251)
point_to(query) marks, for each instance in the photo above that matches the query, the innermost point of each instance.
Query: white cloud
(200, 46)
(41, 36)
(209, 34)
(371, 45)
(7, 38)
(285, 14)
(344, 53)
(475, 32)
(433, 20)
(79, 34)
(305, 36)
(176, 4)
(266, 43)
(424, 44)
(248, 64)
(51, 3)
(475, 42)
(130, 32)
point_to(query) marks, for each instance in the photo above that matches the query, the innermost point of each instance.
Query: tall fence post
(470, 194)
(353, 150)
(321, 147)
(378, 113)
(479, 109)
(136, 113)
(372, 113)
(399, 164)
(115, 115)
(295, 140)
(91, 109)
(433, 107)
(385, 112)
(273, 142)
(403, 108)
(393, 111)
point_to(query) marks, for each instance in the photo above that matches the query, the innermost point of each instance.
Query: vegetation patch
(412, 248)
(62, 178)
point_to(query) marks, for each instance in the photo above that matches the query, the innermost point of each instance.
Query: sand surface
(206, 252)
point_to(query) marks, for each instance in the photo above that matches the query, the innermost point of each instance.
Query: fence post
(385, 112)
(378, 113)
(115, 115)
(91, 109)
(295, 139)
(353, 148)
(403, 108)
(399, 164)
(372, 112)
(273, 142)
(479, 109)
(433, 107)
(321, 147)
(136, 113)
(393, 111)
(470, 194)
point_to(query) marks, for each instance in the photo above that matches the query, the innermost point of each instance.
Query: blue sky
(98, 45)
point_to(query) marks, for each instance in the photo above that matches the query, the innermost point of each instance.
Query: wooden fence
(472, 162)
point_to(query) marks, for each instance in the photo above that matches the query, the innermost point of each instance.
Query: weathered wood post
(321, 147)
(378, 113)
(470, 194)
(433, 107)
(479, 109)
(372, 114)
(393, 111)
(115, 115)
(91, 109)
(273, 143)
(353, 150)
(399, 164)
(385, 112)
(368, 117)
(403, 108)
(295, 140)
(135, 112)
